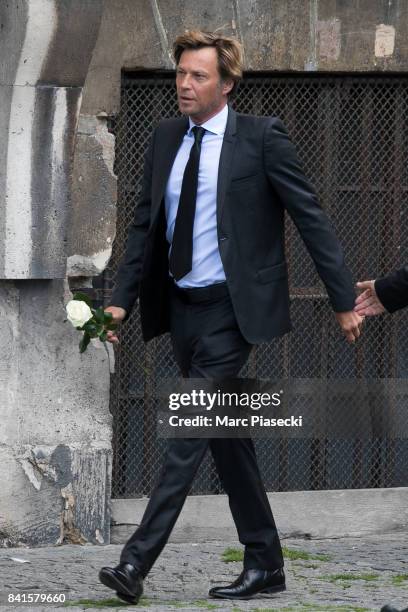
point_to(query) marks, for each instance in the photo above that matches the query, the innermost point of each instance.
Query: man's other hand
(118, 314)
(367, 303)
(350, 323)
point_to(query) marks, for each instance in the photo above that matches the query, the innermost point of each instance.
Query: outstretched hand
(368, 303)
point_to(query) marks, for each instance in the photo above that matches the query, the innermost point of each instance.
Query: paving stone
(183, 574)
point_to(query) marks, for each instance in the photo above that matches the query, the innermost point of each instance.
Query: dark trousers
(207, 343)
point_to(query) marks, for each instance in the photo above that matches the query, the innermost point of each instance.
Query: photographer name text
(225, 421)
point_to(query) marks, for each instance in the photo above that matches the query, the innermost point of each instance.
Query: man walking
(205, 255)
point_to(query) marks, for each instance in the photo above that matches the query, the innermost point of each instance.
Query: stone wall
(55, 433)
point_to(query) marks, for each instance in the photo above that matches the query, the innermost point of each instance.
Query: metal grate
(351, 133)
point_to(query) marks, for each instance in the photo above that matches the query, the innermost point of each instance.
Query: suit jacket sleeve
(127, 280)
(298, 196)
(392, 290)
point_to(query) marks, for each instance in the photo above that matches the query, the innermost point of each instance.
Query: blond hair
(229, 52)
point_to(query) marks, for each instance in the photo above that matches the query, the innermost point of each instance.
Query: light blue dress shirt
(207, 266)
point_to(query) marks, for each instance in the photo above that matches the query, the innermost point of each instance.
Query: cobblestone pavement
(352, 574)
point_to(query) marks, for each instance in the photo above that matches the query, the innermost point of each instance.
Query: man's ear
(227, 85)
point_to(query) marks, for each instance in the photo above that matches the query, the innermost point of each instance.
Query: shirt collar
(216, 124)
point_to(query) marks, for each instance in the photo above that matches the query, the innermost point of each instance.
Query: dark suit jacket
(259, 176)
(392, 290)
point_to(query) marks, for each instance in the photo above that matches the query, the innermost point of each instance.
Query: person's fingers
(364, 284)
(350, 337)
(363, 296)
(375, 306)
(349, 333)
(359, 309)
(364, 311)
(370, 301)
(354, 332)
(370, 311)
(112, 337)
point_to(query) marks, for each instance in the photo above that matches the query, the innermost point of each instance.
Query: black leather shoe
(252, 582)
(125, 579)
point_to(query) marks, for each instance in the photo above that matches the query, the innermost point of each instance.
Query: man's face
(200, 91)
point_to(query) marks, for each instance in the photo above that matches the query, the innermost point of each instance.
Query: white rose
(78, 312)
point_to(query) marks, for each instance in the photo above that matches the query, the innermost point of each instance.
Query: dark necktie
(181, 256)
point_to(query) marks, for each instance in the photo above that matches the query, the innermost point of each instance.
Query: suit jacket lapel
(225, 163)
(163, 163)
